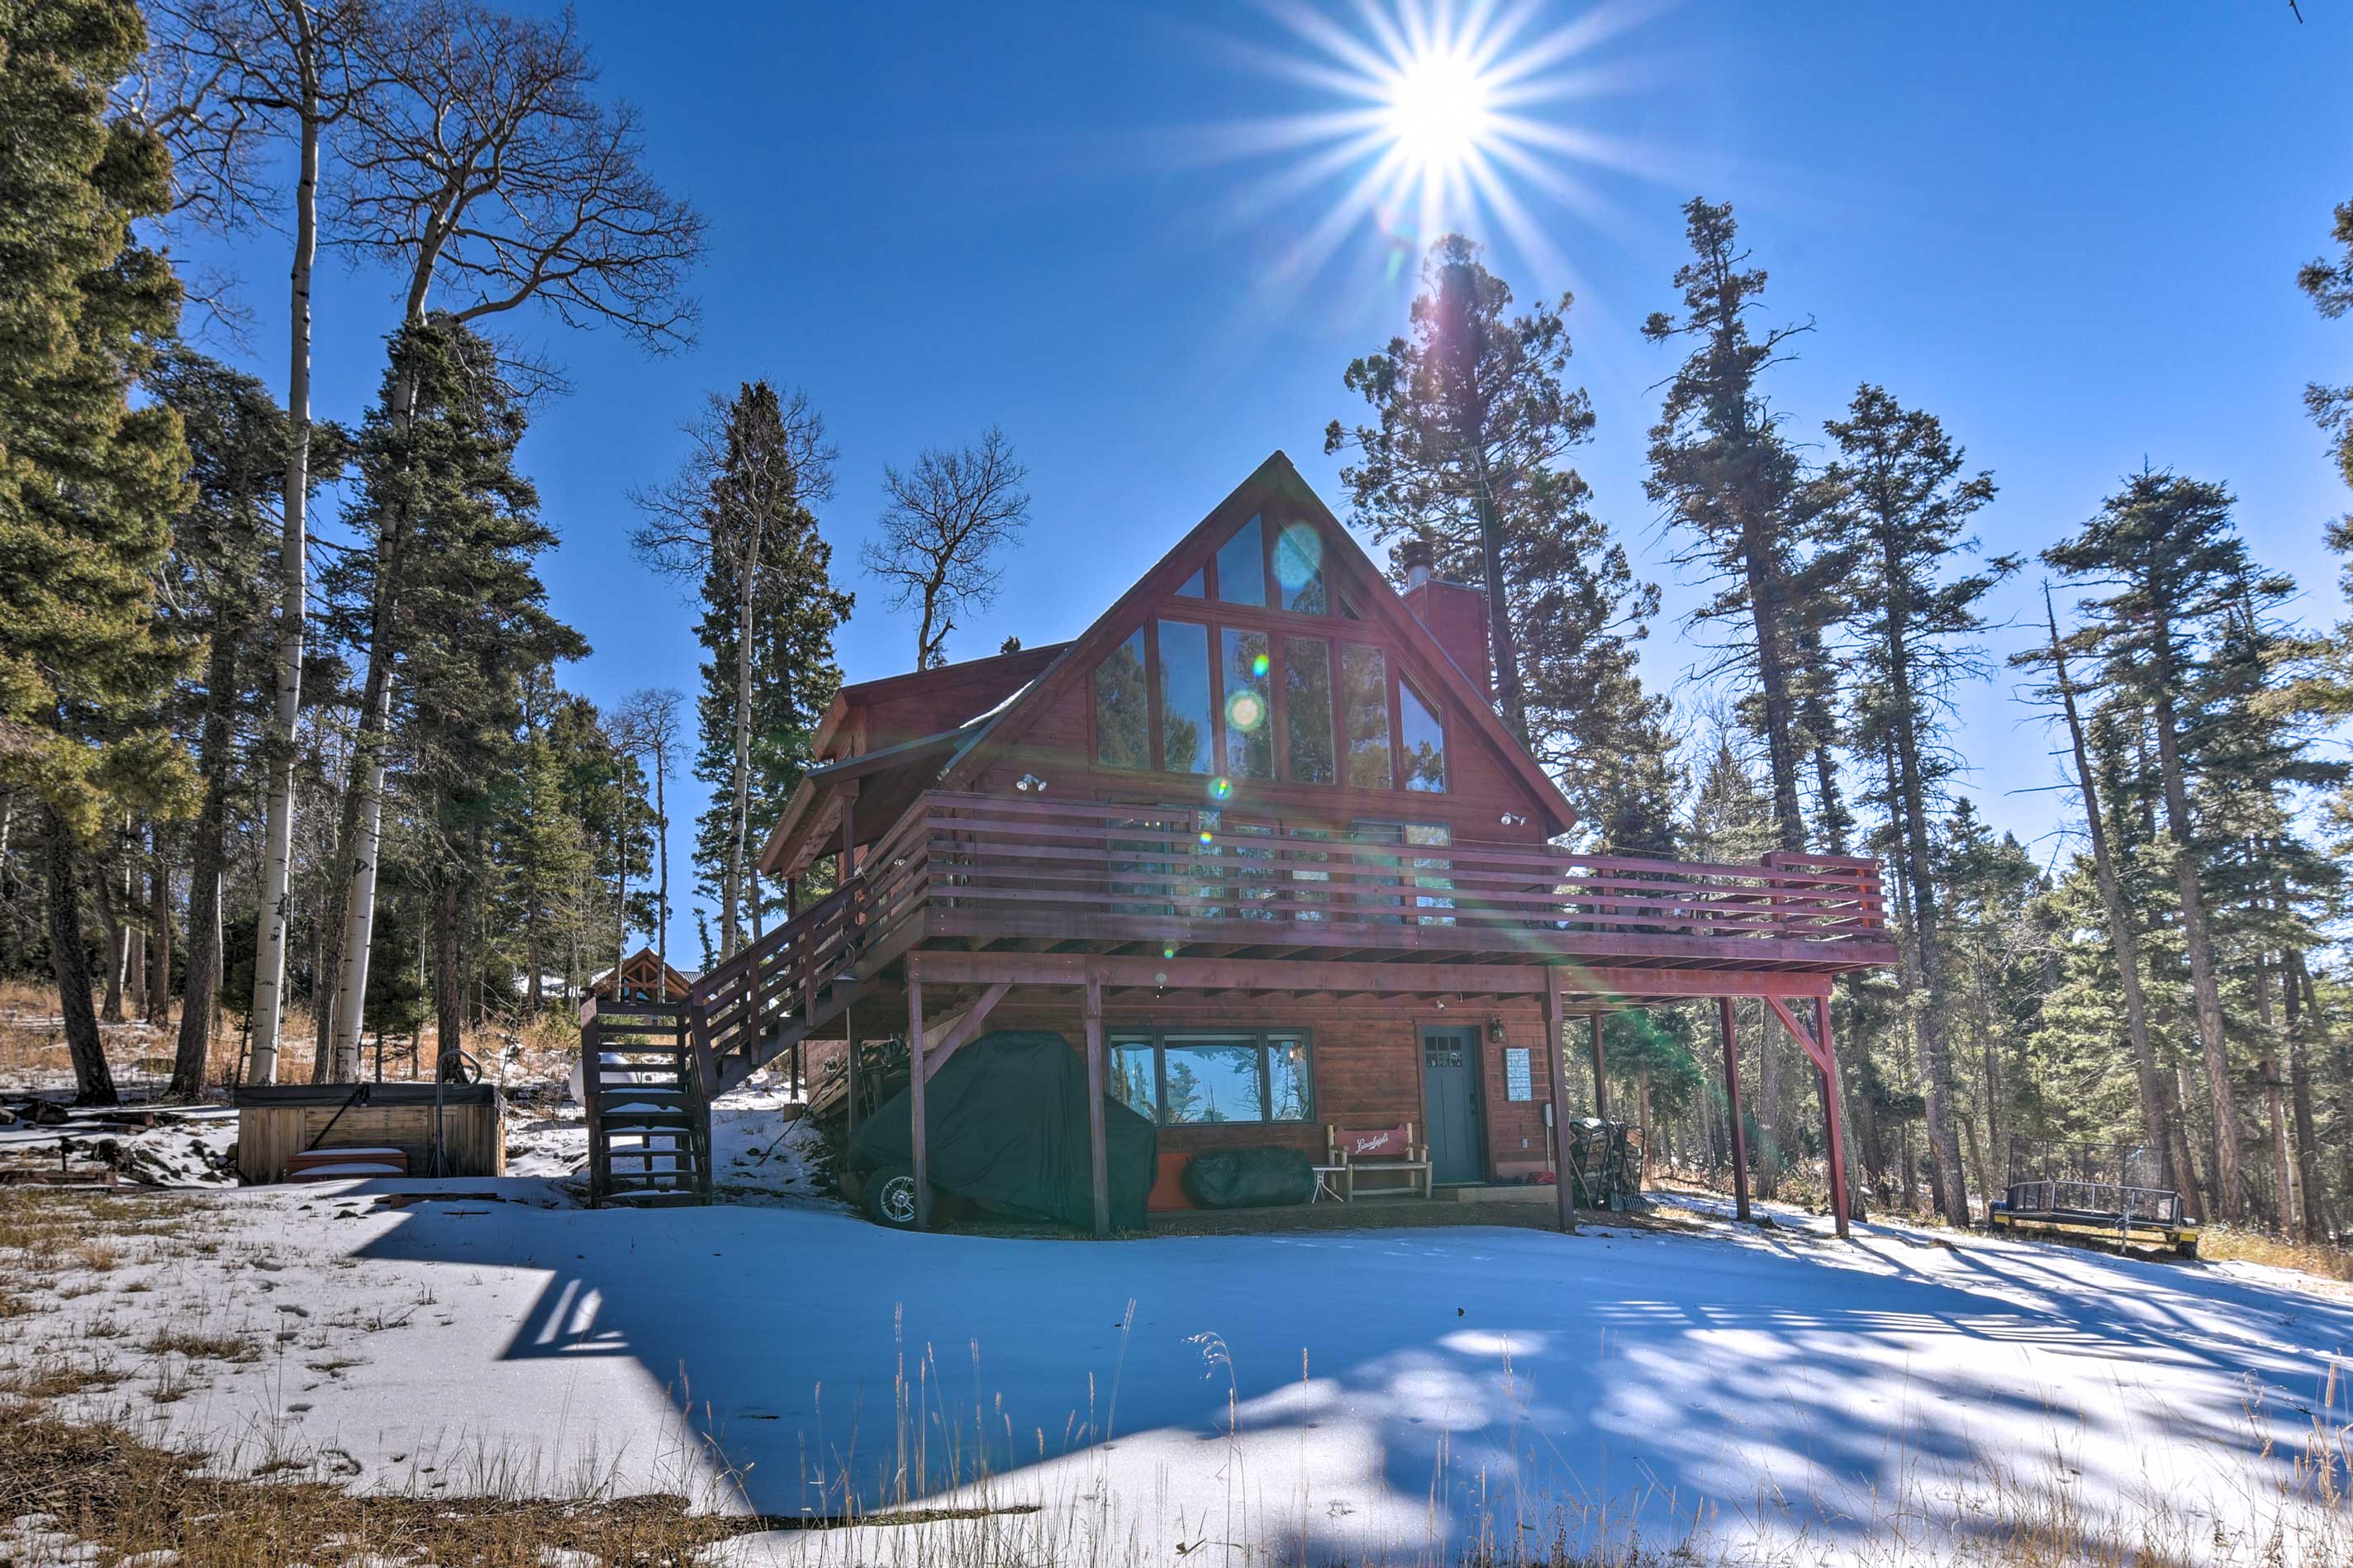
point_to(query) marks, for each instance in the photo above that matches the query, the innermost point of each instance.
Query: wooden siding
(473, 1136)
(1366, 1068)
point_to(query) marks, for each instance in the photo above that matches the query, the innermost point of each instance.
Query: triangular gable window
(1241, 567)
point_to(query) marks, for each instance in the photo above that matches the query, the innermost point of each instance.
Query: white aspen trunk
(661, 837)
(278, 831)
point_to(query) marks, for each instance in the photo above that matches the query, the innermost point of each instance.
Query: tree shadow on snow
(1423, 1381)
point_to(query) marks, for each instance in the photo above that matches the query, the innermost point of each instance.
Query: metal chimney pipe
(1417, 557)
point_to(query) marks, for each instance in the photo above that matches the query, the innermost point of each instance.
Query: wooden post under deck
(1601, 1074)
(1098, 1151)
(1833, 1113)
(1732, 1104)
(921, 1138)
(1556, 1068)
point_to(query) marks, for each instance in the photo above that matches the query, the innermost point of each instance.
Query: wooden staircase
(649, 1070)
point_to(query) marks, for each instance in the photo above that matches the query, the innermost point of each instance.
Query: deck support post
(1833, 1113)
(920, 1143)
(1814, 1039)
(1098, 1150)
(1557, 1069)
(1600, 1073)
(1724, 1025)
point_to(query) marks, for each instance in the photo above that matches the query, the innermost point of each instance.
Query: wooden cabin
(642, 976)
(1258, 839)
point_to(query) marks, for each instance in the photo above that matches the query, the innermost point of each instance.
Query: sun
(1440, 112)
(1406, 119)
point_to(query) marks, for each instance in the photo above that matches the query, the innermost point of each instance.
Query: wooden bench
(1353, 1151)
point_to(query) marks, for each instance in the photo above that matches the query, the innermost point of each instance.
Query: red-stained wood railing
(775, 980)
(1079, 867)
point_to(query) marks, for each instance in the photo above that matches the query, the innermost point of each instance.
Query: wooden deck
(977, 873)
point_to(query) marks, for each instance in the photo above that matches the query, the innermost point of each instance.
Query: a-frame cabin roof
(1274, 479)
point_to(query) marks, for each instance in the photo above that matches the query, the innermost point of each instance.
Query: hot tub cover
(1007, 1118)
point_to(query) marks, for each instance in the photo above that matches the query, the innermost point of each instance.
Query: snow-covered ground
(1399, 1394)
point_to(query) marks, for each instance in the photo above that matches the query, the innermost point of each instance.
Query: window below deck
(1185, 1078)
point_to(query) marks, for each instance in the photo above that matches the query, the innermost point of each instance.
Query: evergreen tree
(1473, 424)
(737, 522)
(1894, 506)
(1725, 475)
(88, 483)
(220, 577)
(2329, 283)
(2176, 571)
(474, 627)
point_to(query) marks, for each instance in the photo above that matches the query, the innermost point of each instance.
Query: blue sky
(2070, 230)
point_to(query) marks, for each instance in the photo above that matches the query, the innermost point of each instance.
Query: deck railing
(775, 976)
(1033, 866)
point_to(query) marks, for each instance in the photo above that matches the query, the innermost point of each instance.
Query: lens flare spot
(1245, 711)
(1298, 557)
(1221, 789)
(1261, 665)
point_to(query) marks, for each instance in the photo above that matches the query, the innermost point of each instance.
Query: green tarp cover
(1250, 1178)
(1007, 1118)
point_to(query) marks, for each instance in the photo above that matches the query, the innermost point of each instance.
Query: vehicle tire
(890, 1197)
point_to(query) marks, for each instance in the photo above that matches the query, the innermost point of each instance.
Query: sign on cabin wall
(1519, 1079)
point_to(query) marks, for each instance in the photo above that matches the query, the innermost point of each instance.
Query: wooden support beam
(1556, 1066)
(1098, 1145)
(915, 1077)
(1814, 1039)
(1724, 1025)
(1296, 975)
(956, 1033)
(1600, 1072)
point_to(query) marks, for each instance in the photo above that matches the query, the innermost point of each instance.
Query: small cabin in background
(642, 977)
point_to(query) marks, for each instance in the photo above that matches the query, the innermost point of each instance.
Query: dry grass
(2222, 1243)
(103, 1483)
(202, 1344)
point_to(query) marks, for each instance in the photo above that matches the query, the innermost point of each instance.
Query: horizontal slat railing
(741, 999)
(1079, 862)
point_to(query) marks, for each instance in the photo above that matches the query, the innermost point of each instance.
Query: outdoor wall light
(1028, 784)
(1513, 819)
(1495, 1028)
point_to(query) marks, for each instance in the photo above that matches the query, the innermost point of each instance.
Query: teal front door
(1449, 1098)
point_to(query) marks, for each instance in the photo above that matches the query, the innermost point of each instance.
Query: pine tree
(1725, 475)
(737, 522)
(221, 575)
(88, 483)
(2176, 571)
(1473, 424)
(1893, 512)
(2329, 283)
(474, 626)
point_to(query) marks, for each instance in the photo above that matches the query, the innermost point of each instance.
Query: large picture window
(1365, 698)
(1185, 733)
(1424, 740)
(1122, 729)
(1185, 1078)
(1307, 698)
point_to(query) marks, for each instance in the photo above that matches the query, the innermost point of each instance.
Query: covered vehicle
(1007, 1122)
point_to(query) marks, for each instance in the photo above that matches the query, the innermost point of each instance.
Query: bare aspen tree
(492, 174)
(945, 521)
(647, 724)
(290, 69)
